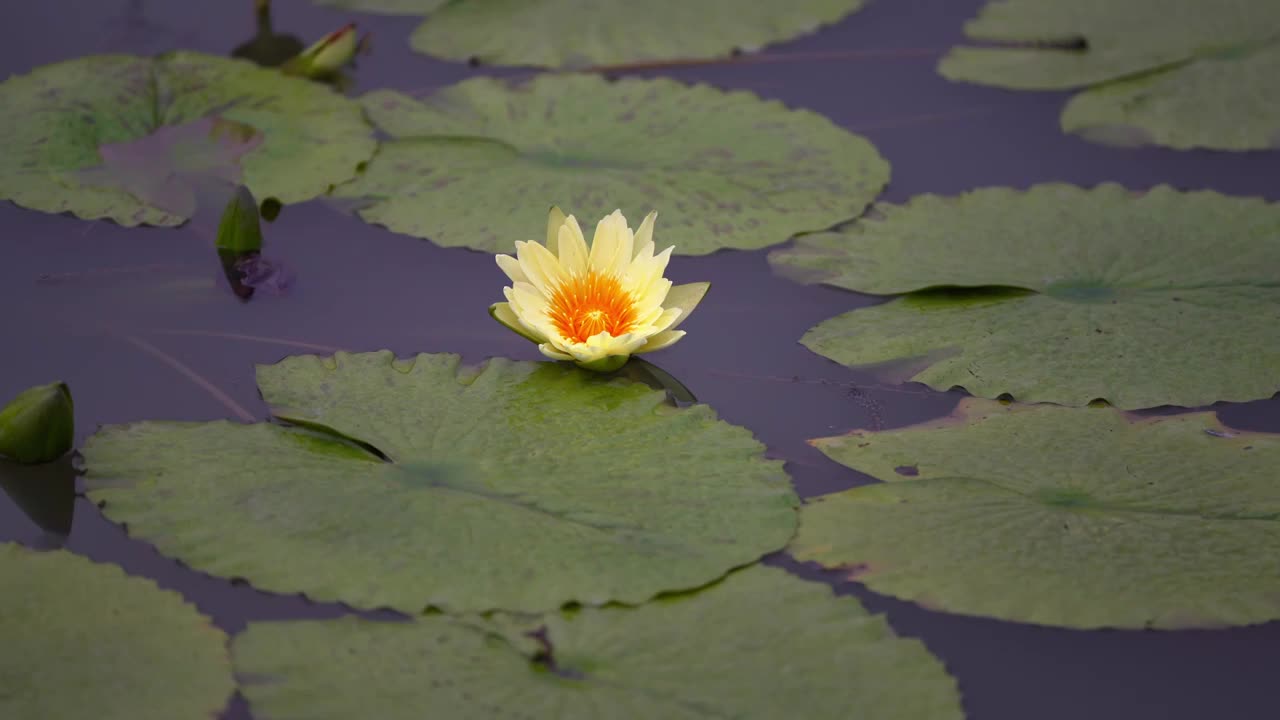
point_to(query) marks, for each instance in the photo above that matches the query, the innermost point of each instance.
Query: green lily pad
(521, 486)
(570, 33)
(761, 644)
(1181, 73)
(477, 164)
(82, 638)
(138, 140)
(1078, 517)
(1070, 295)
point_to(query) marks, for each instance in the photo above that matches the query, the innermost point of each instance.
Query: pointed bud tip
(38, 425)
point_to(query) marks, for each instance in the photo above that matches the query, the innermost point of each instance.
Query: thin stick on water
(191, 375)
(248, 338)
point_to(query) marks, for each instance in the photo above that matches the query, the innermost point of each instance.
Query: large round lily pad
(83, 639)
(1182, 73)
(139, 140)
(520, 486)
(1070, 294)
(759, 645)
(477, 164)
(571, 33)
(1080, 517)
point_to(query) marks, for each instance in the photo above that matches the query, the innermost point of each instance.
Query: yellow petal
(663, 339)
(542, 268)
(668, 319)
(645, 271)
(644, 236)
(511, 267)
(503, 313)
(553, 353)
(626, 241)
(608, 242)
(686, 297)
(526, 301)
(573, 249)
(555, 218)
(653, 296)
(610, 345)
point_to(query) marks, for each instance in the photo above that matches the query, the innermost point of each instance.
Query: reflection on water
(266, 47)
(45, 493)
(643, 371)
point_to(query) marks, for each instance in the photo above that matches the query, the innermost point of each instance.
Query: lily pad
(137, 140)
(521, 486)
(1067, 294)
(1181, 73)
(761, 644)
(1078, 517)
(81, 638)
(570, 33)
(477, 164)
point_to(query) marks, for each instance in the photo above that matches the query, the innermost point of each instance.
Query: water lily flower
(594, 306)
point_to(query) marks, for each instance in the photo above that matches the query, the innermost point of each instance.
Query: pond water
(141, 325)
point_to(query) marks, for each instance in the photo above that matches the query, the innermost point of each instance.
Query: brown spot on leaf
(907, 470)
(857, 571)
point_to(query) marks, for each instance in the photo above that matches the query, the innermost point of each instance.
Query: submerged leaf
(1070, 295)
(1079, 517)
(416, 483)
(39, 425)
(758, 645)
(137, 140)
(82, 638)
(478, 163)
(1182, 73)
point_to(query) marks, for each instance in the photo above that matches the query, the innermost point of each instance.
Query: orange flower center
(585, 305)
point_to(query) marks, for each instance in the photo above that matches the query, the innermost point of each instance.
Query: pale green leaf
(1079, 517)
(1142, 300)
(1181, 73)
(477, 164)
(521, 486)
(573, 33)
(758, 645)
(83, 639)
(138, 140)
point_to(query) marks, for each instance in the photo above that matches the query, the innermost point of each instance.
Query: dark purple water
(141, 326)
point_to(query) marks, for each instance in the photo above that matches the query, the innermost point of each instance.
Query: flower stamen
(587, 304)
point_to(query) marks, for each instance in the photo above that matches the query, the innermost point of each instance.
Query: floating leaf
(570, 33)
(520, 486)
(1182, 73)
(478, 163)
(761, 644)
(39, 425)
(136, 139)
(1163, 298)
(1080, 517)
(85, 639)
